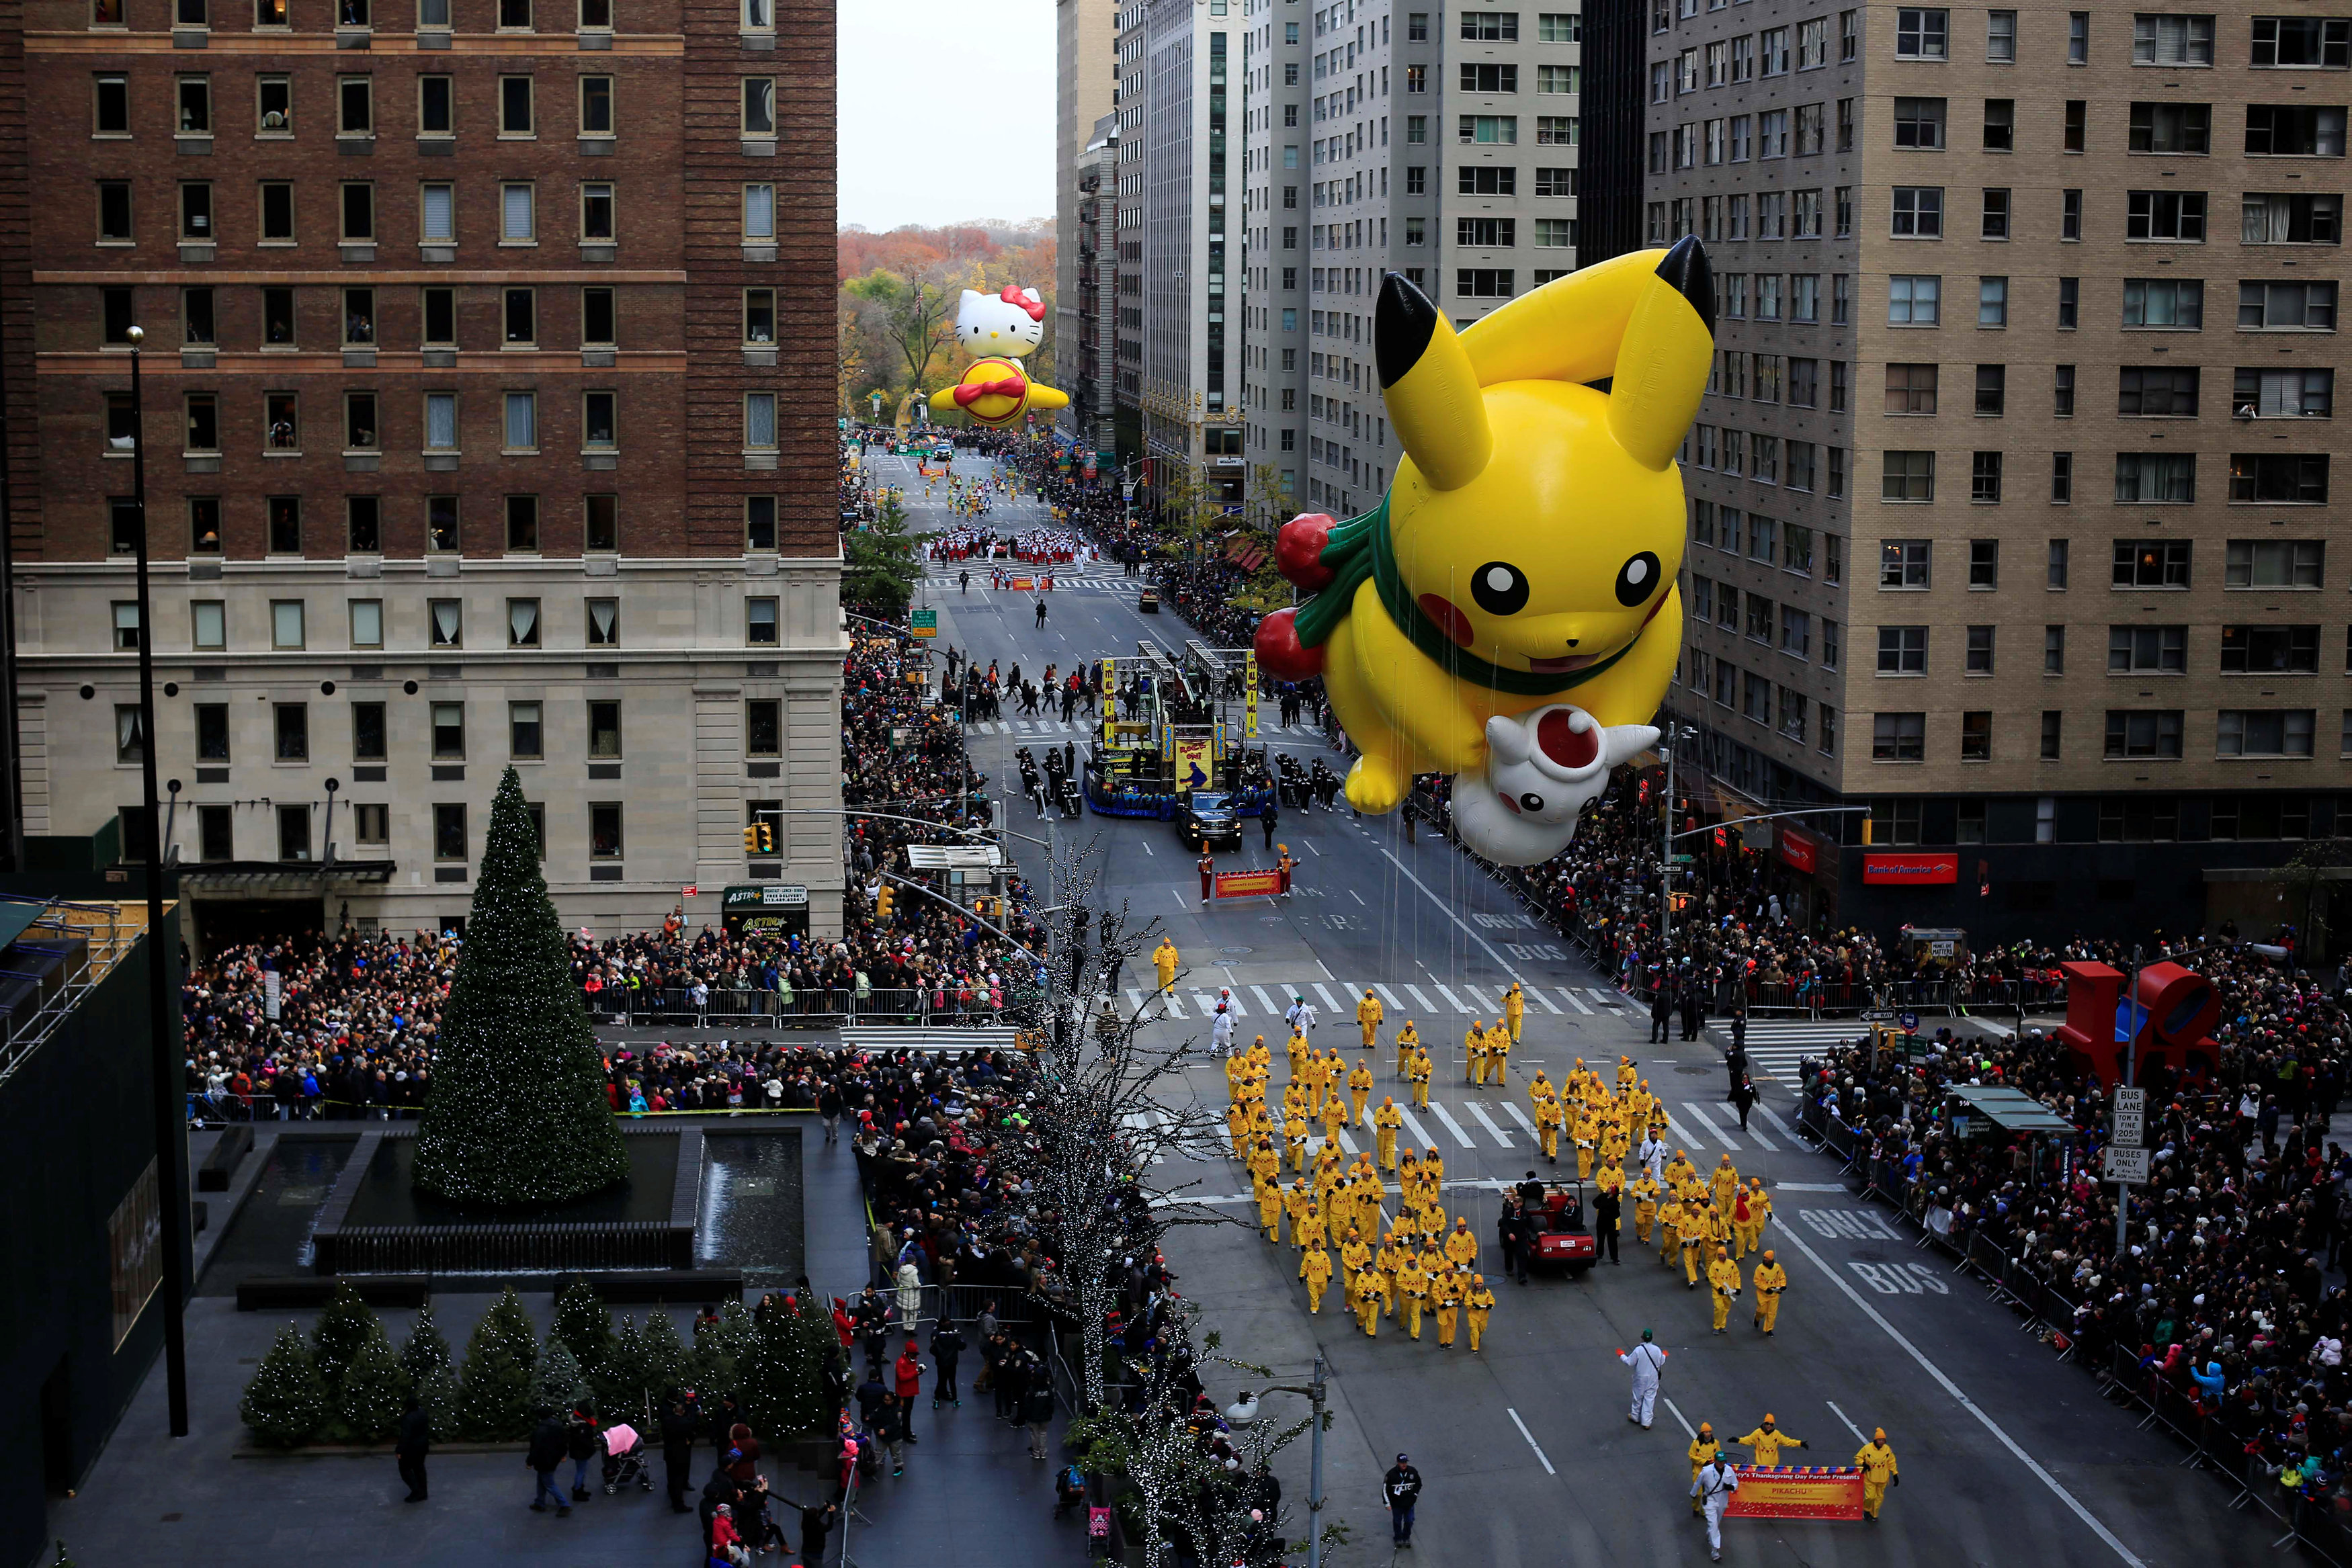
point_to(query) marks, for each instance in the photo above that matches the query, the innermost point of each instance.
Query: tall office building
(1092, 363)
(2010, 497)
(1085, 88)
(1180, 150)
(480, 460)
(1438, 144)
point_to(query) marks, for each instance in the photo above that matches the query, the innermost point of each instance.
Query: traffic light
(766, 837)
(882, 901)
(752, 839)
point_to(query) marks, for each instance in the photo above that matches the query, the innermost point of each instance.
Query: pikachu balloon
(997, 330)
(1508, 614)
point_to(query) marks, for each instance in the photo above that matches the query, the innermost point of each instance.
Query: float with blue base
(1185, 730)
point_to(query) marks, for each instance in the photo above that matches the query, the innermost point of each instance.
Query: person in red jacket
(726, 1541)
(908, 1382)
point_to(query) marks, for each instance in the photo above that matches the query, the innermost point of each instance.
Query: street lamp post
(165, 1056)
(1245, 1410)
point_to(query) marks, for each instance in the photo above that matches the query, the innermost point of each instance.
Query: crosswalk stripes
(1536, 993)
(1487, 1122)
(1452, 1125)
(1776, 1046)
(1268, 1003)
(1705, 1116)
(1420, 1134)
(1387, 996)
(1775, 1122)
(1682, 1133)
(1521, 1118)
(1610, 1002)
(1426, 1004)
(906, 1037)
(1452, 1001)
(1327, 1000)
(1575, 1001)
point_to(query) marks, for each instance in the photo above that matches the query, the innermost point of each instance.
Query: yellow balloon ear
(1662, 365)
(1430, 388)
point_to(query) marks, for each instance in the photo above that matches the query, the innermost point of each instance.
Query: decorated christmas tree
(619, 1380)
(494, 1393)
(374, 1390)
(432, 1371)
(286, 1403)
(786, 1380)
(585, 1326)
(722, 1350)
(668, 1365)
(558, 1386)
(339, 1333)
(518, 1112)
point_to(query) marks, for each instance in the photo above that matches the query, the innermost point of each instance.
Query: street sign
(1910, 1022)
(2133, 1101)
(2126, 1165)
(2131, 1130)
(924, 622)
(1686, 860)
(1878, 1015)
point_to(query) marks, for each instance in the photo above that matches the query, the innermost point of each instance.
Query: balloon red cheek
(1448, 618)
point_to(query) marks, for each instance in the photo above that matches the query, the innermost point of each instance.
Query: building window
(515, 108)
(2273, 563)
(522, 622)
(1921, 34)
(448, 831)
(1984, 483)
(2264, 732)
(1913, 301)
(1903, 650)
(1908, 476)
(2151, 564)
(599, 421)
(2269, 650)
(521, 424)
(2174, 303)
(1904, 564)
(604, 616)
(596, 213)
(293, 832)
(362, 524)
(600, 523)
(763, 728)
(283, 517)
(2286, 306)
(290, 726)
(215, 833)
(440, 421)
(605, 830)
(1898, 737)
(368, 738)
(597, 106)
(359, 422)
(759, 523)
(526, 738)
(2155, 477)
(445, 622)
(1992, 302)
(758, 106)
(208, 624)
(760, 623)
(370, 824)
(448, 732)
(605, 730)
(1976, 736)
(522, 524)
(760, 421)
(367, 623)
(2000, 37)
(2054, 650)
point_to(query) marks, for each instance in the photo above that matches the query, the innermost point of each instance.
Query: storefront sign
(1790, 1492)
(1916, 869)
(1797, 849)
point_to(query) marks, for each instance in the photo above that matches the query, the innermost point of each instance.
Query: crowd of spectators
(2218, 1293)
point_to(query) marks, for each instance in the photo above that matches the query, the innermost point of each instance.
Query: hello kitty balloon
(997, 330)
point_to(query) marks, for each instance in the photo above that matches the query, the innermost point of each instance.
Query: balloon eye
(1637, 580)
(1499, 588)
(1533, 802)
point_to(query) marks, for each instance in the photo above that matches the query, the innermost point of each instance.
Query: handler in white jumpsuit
(1652, 1157)
(1221, 1033)
(1713, 1486)
(1647, 1361)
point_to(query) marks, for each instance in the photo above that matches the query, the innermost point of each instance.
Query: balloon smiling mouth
(1572, 662)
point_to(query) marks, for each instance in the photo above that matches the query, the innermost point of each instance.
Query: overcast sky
(946, 110)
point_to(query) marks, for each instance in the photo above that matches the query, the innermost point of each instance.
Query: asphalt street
(2006, 1457)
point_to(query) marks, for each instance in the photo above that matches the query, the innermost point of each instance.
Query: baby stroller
(624, 1459)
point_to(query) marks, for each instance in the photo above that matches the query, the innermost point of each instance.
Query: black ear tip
(1402, 325)
(1687, 268)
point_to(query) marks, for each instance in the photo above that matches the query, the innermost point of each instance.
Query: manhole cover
(1235, 951)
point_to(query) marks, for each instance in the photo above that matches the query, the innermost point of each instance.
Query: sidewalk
(971, 1494)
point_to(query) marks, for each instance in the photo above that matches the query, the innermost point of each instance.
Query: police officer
(1606, 1207)
(1401, 1490)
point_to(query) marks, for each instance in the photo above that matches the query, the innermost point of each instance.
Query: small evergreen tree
(432, 1371)
(585, 1326)
(374, 1390)
(668, 1365)
(518, 1112)
(494, 1391)
(619, 1381)
(340, 1330)
(721, 1350)
(286, 1403)
(558, 1386)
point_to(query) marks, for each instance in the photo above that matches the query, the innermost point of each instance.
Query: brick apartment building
(469, 440)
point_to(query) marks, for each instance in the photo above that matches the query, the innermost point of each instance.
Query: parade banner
(1193, 760)
(1021, 583)
(1796, 1491)
(1248, 883)
(1110, 698)
(1249, 698)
